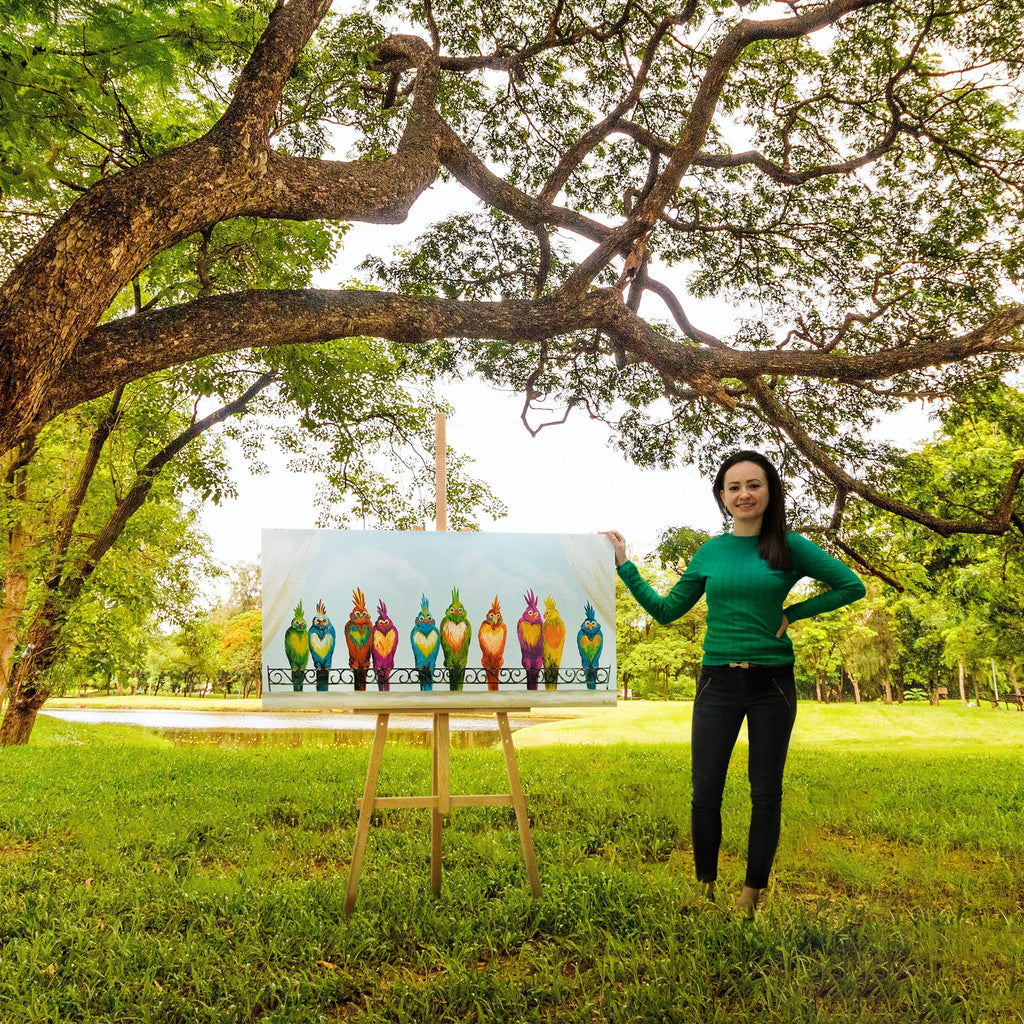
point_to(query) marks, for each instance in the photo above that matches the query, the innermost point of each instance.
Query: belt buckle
(740, 664)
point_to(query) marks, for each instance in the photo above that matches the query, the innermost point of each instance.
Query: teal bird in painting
(589, 641)
(296, 646)
(456, 634)
(321, 644)
(426, 643)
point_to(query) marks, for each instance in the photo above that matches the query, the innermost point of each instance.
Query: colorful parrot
(296, 646)
(456, 633)
(590, 641)
(531, 640)
(491, 636)
(321, 644)
(554, 640)
(385, 643)
(358, 635)
(426, 642)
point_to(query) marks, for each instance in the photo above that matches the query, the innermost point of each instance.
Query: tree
(848, 172)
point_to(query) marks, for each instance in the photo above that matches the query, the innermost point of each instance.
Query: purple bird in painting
(385, 643)
(531, 640)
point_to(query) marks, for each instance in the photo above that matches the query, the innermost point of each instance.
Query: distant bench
(1013, 698)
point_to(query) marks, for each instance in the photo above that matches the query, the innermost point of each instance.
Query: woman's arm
(844, 584)
(678, 601)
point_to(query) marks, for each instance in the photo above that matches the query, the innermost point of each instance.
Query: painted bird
(589, 641)
(321, 644)
(358, 636)
(426, 642)
(385, 643)
(296, 646)
(554, 640)
(530, 631)
(456, 633)
(492, 635)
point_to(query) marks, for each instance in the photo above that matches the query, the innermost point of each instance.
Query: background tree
(847, 172)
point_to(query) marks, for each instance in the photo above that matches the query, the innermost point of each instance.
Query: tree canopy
(847, 173)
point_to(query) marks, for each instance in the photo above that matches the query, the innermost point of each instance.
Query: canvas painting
(352, 617)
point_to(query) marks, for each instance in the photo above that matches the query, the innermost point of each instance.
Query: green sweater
(745, 596)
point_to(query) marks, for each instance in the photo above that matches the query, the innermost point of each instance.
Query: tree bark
(25, 697)
(15, 583)
(963, 687)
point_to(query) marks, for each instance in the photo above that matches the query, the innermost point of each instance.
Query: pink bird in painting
(385, 643)
(531, 640)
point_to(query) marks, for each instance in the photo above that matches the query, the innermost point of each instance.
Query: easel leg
(365, 812)
(516, 789)
(441, 791)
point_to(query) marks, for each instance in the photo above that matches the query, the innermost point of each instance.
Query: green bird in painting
(456, 634)
(296, 646)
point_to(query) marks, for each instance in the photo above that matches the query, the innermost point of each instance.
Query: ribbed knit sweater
(745, 596)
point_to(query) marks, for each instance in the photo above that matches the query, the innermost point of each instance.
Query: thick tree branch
(127, 349)
(775, 413)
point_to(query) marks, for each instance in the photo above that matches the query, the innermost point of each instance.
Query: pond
(289, 729)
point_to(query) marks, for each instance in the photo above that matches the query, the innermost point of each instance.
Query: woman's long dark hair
(772, 545)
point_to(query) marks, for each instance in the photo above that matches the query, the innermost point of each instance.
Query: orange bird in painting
(531, 640)
(492, 635)
(358, 631)
(554, 641)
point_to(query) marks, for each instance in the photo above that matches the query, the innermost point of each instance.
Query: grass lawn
(142, 882)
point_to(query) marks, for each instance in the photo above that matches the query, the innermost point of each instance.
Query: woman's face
(745, 494)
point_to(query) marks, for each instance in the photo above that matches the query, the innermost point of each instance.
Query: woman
(747, 668)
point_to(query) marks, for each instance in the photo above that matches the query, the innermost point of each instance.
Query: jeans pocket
(783, 694)
(702, 685)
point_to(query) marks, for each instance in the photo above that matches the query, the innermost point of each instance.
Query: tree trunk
(15, 582)
(24, 697)
(15, 594)
(817, 688)
(1013, 679)
(963, 688)
(888, 690)
(855, 683)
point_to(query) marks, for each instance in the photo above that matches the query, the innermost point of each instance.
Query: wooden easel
(440, 801)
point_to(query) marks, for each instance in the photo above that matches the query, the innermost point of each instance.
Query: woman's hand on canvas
(619, 543)
(782, 629)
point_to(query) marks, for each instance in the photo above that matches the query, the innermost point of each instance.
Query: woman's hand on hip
(782, 629)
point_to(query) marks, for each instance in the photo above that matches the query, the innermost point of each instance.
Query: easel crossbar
(466, 800)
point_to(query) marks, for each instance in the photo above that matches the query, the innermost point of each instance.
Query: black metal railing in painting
(327, 680)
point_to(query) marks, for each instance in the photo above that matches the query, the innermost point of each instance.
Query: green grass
(140, 882)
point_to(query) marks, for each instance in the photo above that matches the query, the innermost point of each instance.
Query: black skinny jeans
(767, 697)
